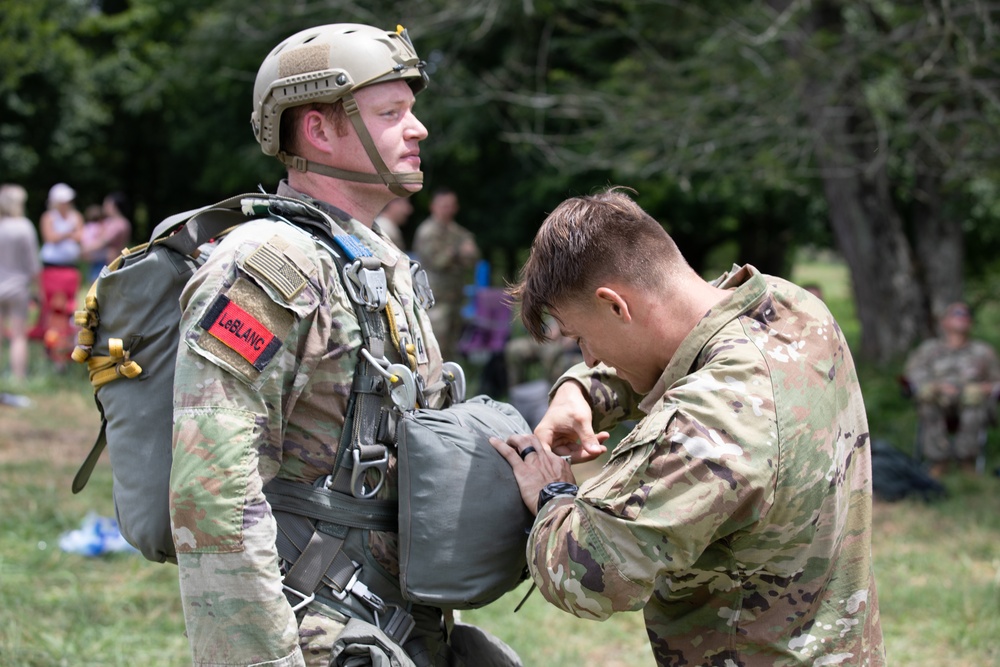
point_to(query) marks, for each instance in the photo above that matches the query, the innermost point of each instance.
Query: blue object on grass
(96, 536)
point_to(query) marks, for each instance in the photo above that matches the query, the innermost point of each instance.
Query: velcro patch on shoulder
(245, 328)
(274, 263)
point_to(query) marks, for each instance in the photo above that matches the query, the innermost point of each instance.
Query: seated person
(953, 376)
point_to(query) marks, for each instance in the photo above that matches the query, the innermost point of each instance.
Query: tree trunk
(939, 248)
(889, 299)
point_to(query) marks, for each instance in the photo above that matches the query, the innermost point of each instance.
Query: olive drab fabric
(737, 513)
(440, 249)
(452, 484)
(128, 339)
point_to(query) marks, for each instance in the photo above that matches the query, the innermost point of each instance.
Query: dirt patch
(59, 427)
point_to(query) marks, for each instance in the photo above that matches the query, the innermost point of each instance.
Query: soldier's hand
(566, 427)
(534, 466)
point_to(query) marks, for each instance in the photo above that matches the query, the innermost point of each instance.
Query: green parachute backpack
(128, 331)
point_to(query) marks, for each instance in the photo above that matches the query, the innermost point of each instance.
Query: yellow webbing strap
(411, 359)
(117, 365)
(105, 369)
(87, 319)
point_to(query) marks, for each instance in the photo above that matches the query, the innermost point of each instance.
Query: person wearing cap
(953, 377)
(736, 514)
(335, 104)
(61, 231)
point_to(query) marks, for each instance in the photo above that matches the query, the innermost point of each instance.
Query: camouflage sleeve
(693, 472)
(992, 364)
(246, 344)
(611, 398)
(439, 248)
(918, 365)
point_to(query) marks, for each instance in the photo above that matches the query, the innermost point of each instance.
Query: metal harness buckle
(358, 589)
(401, 380)
(366, 287)
(454, 377)
(361, 469)
(421, 286)
(303, 598)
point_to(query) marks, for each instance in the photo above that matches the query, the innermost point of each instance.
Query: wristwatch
(553, 489)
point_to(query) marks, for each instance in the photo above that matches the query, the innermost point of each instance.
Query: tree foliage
(748, 128)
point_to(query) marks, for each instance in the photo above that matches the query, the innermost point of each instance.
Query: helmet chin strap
(393, 180)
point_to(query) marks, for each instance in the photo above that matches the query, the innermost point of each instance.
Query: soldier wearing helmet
(335, 104)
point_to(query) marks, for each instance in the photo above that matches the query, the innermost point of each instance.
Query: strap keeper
(350, 104)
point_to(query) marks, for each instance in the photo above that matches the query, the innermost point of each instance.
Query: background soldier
(736, 514)
(953, 377)
(447, 251)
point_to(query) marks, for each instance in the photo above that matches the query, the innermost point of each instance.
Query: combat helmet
(327, 64)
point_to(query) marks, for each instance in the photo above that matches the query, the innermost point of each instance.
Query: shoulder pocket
(285, 271)
(612, 489)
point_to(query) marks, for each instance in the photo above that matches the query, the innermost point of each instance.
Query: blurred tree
(888, 110)
(48, 106)
(752, 126)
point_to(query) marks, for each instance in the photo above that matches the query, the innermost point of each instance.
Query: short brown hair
(585, 242)
(289, 137)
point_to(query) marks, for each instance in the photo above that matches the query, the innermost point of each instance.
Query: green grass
(65, 609)
(937, 565)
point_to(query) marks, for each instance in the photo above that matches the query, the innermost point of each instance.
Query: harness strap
(316, 557)
(322, 569)
(317, 502)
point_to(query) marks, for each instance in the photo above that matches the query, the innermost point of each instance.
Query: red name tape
(240, 331)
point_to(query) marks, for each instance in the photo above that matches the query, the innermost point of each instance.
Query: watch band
(553, 490)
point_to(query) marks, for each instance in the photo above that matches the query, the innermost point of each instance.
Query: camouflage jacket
(737, 513)
(264, 373)
(439, 249)
(935, 361)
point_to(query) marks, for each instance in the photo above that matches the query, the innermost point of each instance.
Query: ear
(317, 131)
(614, 300)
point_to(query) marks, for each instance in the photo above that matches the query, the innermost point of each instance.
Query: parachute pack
(459, 547)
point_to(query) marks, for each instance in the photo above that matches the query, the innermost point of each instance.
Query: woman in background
(62, 228)
(19, 268)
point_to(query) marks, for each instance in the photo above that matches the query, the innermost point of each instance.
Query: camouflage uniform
(967, 368)
(271, 405)
(737, 514)
(438, 247)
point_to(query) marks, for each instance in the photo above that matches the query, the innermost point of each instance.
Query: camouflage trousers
(935, 443)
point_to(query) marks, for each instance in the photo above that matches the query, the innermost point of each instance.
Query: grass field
(938, 565)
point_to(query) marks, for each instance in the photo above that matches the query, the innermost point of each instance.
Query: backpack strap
(322, 528)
